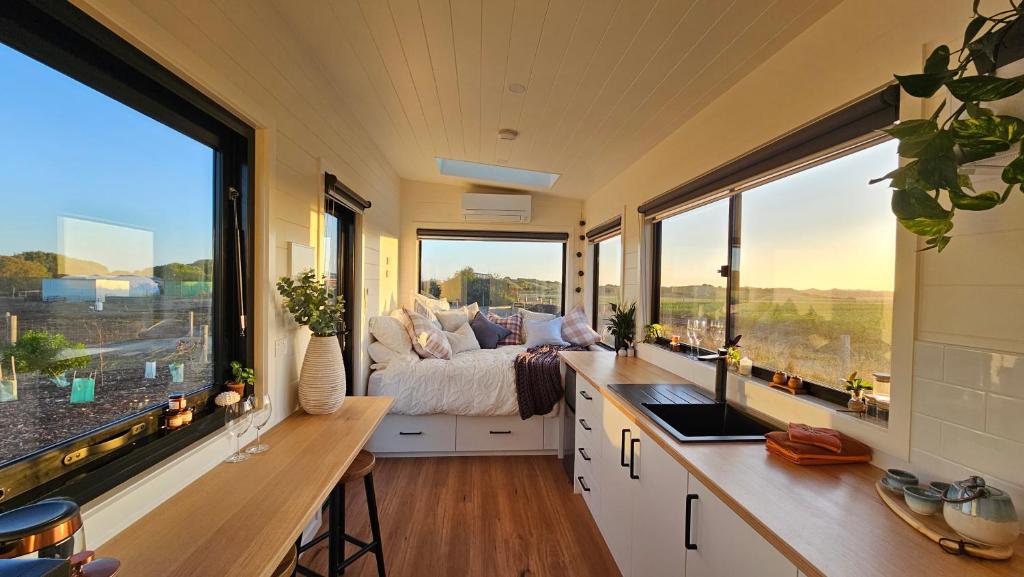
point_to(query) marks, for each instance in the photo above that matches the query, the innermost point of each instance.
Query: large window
(608, 284)
(119, 281)
(812, 269)
(500, 275)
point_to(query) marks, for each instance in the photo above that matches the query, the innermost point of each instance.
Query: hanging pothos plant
(931, 187)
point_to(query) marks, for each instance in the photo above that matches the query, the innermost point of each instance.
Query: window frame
(595, 285)
(493, 236)
(67, 40)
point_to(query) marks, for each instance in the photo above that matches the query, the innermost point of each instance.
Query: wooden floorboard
(476, 516)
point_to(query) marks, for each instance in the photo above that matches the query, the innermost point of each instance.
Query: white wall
(239, 54)
(963, 398)
(431, 205)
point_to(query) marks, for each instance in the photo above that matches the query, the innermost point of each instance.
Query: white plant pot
(322, 379)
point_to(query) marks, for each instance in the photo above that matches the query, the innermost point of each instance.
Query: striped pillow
(428, 340)
(576, 328)
(513, 324)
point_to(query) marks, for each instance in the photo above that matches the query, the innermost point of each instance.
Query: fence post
(13, 337)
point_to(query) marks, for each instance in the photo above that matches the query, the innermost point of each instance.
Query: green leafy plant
(311, 304)
(653, 332)
(855, 385)
(931, 186)
(733, 356)
(48, 354)
(242, 375)
(622, 323)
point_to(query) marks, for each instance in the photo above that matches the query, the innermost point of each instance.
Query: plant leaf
(1013, 173)
(938, 242)
(915, 127)
(984, 88)
(922, 85)
(938, 61)
(927, 145)
(974, 26)
(980, 201)
(915, 203)
(976, 111)
(939, 172)
(927, 226)
(1002, 128)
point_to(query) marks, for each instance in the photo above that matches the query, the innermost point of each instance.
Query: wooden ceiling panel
(437, 26)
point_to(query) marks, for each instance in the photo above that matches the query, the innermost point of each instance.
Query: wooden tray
(786, 389)
(935, 528)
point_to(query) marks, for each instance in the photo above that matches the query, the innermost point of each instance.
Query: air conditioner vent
(508, 208)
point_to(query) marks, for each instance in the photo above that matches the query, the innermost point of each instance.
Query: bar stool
(362, 467)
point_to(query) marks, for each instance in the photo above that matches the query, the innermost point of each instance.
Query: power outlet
(280, 347)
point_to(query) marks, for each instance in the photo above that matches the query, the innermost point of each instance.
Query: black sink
(689, 415)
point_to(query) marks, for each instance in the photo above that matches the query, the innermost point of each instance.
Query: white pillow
(547, 332)
(532, 316)
(431, 303)
(381, 354)
(391, 332)
(453, 319)
(463, 339)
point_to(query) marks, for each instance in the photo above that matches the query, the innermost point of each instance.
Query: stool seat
(362, 466)
(287, 566)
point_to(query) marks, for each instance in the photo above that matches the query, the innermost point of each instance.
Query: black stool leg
(371, 501)
(336, 529)
(340, 519)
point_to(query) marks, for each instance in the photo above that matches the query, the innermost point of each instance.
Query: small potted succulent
(242, 376)
(857, 386)
(652, 333)
(732, 358)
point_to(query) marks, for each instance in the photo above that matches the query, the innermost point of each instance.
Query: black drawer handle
(689, 515)
(632, 458)
(586, 427)
(501, 432)
(622, 449)
(414, 433)
(586, 396)
(583, 453)
(583, 484)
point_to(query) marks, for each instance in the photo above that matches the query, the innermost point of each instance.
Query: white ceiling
(605, 80)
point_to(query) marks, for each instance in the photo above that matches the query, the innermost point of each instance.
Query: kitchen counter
(827, 520)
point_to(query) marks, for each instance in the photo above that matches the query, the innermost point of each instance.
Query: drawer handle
(405, 433)
(586, 396)
(632, 458)
(583, 453)
(689, 516)
(583, 484)
(622, 448)
(501, 432)
(586, 427)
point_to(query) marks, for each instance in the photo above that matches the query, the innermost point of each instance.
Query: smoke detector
(516, 88)
(508, 134)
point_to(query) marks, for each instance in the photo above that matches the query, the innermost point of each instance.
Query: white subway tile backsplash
(925, 433)
(948, 403)
(983, 452)
(928, 360)
(997, 372)
(1005, 417)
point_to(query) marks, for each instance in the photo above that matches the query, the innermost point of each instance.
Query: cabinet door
(616, 503)
(659, 510)
(725, 545)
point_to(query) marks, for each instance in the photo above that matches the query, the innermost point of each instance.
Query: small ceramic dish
(924, 501)
(892, 487)
(939, 486)
(900, 477)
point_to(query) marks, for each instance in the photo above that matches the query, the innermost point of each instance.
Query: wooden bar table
(240, 519)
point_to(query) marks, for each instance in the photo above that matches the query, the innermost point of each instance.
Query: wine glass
(260, 418)
(691, 336)
(237, 418)
(699, 329)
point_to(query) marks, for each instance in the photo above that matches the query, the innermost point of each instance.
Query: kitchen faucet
(721, 371)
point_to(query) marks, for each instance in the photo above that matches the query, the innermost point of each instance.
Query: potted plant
(322, 378)
(242, 377)
(857, 386)
(622, 325)
(732, 358)
(652, 333)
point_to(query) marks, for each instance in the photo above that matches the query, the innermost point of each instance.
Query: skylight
(498, 174)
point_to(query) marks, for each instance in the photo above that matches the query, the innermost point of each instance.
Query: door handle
(586, 396)
(106, 446)
(411, 433)
(632, 458)
(586, 427)
(583, 484)
(689, 517)
(622, 449)
(583, 453)
(500, 432)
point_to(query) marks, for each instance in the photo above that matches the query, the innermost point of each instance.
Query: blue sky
(69, 151)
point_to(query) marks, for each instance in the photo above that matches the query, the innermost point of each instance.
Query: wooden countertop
(240, 519)
(827, 520)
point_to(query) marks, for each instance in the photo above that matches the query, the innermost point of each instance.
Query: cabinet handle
(501, 432)
(404, 433)
(586, 427)
(583, 484)
(632, 458)
(583, 453)
(586, 396)
(689, 515)
(622, 449)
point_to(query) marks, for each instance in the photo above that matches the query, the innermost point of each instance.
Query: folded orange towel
(828, 439)
(778, 443)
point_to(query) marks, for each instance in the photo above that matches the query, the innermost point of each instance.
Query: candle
(746, 366)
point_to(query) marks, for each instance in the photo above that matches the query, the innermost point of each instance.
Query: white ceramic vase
(322, 379)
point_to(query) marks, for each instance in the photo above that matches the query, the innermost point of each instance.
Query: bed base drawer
(414, 434)
(499, 434)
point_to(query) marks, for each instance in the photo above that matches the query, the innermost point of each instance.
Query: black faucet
(721, 371)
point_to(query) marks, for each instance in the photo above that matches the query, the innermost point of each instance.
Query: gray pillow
(487, 333)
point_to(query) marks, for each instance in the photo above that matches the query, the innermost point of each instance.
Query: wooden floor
(475, 517)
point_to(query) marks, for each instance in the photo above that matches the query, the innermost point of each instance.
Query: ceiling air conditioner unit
(481, 207)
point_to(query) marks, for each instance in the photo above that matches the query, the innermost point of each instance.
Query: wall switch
(280, 347)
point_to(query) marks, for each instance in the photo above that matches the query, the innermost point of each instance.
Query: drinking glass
(237, 418)
(260, 418)
(691, 336)
(699, 329)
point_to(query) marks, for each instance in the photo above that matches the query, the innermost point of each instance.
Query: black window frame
(494, 236)
(600, 233)
(845, 131)
(66, 39)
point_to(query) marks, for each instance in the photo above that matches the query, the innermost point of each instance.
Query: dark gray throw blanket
(538, 382)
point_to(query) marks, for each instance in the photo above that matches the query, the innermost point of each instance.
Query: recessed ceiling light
(508, 134)
(516, 88)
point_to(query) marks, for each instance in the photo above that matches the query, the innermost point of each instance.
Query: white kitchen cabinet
(612, 471)
(659, 510)
(725, 545)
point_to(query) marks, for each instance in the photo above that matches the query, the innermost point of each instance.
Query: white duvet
(478, 383)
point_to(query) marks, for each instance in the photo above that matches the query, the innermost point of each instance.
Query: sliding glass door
(339, 269)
